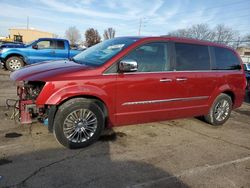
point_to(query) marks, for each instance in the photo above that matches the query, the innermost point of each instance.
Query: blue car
(247, 71)
(15, 56)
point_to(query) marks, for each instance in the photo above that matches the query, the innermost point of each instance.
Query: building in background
(27, 35)
(244, 54)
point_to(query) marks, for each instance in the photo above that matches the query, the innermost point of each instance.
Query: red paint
(25, 116)
(67, 80)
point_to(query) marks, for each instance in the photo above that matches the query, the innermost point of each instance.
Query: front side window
(45, 44)
(192, 57)
(102, 52)
(151, 57)
(225, 59)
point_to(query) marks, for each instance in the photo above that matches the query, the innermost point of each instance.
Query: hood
(47, 71)
(11, 45)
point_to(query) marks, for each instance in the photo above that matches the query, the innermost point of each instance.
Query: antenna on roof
(139, 32)
(27, 22)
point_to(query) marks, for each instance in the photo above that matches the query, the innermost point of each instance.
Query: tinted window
(60, 45)
(151, 57)
(225, 59)
(192, 57)
(45, 44)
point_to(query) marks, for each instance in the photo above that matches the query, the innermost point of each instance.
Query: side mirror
(128, 66)
(35, 47)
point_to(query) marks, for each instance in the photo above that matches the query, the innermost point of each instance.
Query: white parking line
(192, 171)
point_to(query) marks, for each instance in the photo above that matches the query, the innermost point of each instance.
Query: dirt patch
(151, 134)
(172, 124)
(13, 135)
(5, 161)
(112, 136)
(244, 112)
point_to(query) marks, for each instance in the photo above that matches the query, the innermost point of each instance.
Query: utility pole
(140, 22)
(27, 22)
(238, 43)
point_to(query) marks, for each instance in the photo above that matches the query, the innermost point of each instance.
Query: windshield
(30, 43)
(100, 53)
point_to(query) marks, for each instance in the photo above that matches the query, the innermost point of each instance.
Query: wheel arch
(95, 99)
(231, 94)
(226, 89)
(14, 54)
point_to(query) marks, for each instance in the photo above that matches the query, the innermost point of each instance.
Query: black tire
(248, 85)
(69, 107)
(14, 63)
(211, 117)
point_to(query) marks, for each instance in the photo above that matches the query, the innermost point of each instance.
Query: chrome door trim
(165, 100)
(173, 71)
(181, 79)
(166, 80)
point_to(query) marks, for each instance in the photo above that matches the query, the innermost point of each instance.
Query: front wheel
(220, 110)
(78, 123)
(14, 63)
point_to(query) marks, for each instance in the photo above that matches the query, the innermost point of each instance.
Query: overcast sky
(158, 16)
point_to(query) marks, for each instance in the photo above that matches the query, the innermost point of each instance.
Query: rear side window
(191, 57)
(225, 59)
(60, 45)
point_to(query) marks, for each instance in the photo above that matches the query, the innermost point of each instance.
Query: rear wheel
(220, 110)
(14, 63)
(78, 123)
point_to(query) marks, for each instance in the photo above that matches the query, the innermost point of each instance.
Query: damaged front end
(28, 92)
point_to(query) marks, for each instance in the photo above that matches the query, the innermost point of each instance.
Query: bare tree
(245, 41)
(73, 35)
(199, 31)
(92, 37)
(220, 33)
(202, 32)
(180, 33)
(223, 34)
(109, 33)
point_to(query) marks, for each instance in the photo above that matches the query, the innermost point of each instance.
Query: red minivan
(130, 80)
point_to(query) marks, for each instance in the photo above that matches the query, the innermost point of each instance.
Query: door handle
(166, 80)
(181, 79)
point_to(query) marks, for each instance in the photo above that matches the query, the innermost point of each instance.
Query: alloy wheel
(80, 125)
(222, 109)
(15, 64)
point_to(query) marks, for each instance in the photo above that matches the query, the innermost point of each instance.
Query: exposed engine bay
(31, 89)
(25, 107)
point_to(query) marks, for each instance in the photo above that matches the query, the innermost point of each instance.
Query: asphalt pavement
(178, 153)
